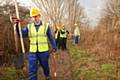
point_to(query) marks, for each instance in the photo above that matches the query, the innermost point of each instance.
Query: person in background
(57, 37)
(76, 34)
(63, 37)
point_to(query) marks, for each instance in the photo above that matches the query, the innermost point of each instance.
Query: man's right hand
(15, 20)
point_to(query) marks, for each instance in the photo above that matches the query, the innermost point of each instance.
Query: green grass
(87, 68)
(10, 73)
(108, 70)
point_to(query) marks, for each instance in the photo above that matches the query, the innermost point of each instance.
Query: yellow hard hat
(63, 24)
(75, 24)
(34, 12)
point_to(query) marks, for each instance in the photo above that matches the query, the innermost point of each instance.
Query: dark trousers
(76, 39)
(57, 43)
(64, 41)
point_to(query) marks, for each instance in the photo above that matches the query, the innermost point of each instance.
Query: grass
(10, 73)
(87, 68)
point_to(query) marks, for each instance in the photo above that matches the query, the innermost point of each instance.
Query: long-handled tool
(55, 69)
(19, 57)
(19, 26)
(15, 34)
(53, 60)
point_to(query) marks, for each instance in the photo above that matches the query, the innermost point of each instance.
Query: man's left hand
(54, 50)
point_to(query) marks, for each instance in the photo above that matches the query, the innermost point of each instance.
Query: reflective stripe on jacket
(38, 39)
(64, 35)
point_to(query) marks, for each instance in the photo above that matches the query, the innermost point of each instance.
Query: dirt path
(64, 66)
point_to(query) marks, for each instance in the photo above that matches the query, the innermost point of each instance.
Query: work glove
(54, 50)
(15, 20)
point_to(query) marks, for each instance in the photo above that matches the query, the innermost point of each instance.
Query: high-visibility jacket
(38, 39)
(64, 35)
(56, 34)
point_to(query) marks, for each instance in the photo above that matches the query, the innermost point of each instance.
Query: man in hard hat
(38, 33)
(63, 37)
(76, 34)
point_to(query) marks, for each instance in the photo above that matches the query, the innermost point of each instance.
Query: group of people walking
(61, 37)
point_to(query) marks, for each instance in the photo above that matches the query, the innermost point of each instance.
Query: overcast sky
(92, 8)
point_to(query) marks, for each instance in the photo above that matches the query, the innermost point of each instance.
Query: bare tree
(52, 9)
(111, 14)
(75, 13)
(61, 11)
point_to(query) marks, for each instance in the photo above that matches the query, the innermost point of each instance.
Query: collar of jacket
(38, 24)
